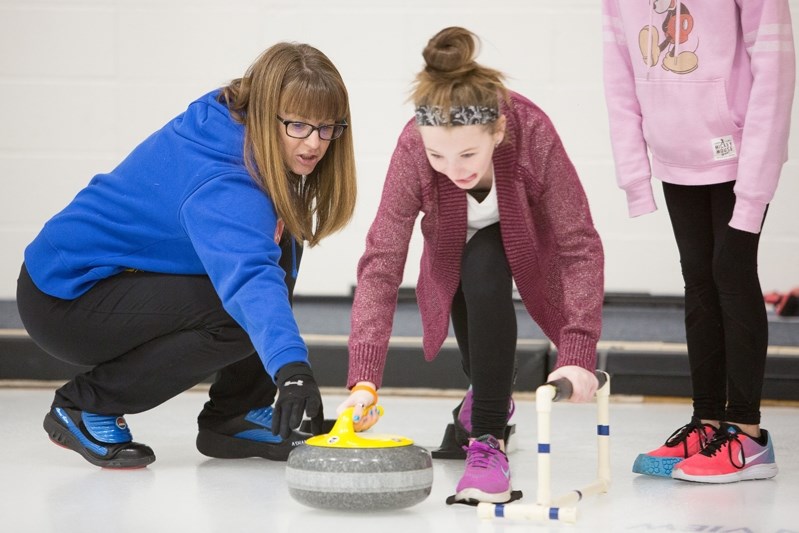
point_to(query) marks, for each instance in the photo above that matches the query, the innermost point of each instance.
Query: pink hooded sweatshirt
(707, 87)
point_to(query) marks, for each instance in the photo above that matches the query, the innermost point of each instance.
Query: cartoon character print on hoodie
(691, 89)
(677, 27)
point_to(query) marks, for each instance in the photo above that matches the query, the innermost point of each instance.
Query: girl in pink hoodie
(699, 95)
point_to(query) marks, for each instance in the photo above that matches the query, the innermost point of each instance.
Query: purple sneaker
(463, 413)
(487, 474)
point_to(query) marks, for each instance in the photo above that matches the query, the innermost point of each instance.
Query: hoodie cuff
(747, 215)
(640, 198)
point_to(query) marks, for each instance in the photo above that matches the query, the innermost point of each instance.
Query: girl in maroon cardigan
(500, 203)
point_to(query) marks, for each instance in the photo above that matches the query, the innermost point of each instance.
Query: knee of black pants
(697, 272)
(229, 341)
(491, 286)
(700, 288)
(484, 266)
(735, 263)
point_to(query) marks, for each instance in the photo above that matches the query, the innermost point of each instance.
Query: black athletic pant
(484, 321)
(149, 337)
(725, 315)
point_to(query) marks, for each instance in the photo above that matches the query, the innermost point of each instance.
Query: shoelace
(681, 436)
(479, 455)
(719, 440)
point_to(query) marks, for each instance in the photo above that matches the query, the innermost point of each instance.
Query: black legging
(484, 321)
(149, 337)
(725, 315)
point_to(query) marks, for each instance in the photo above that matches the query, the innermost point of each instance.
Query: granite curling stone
(343, 470)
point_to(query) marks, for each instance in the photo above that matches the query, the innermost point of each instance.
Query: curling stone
(343, 470)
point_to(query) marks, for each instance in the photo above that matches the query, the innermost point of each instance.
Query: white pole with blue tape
(563, 508)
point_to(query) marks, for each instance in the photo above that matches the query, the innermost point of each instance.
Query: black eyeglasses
(303, 130)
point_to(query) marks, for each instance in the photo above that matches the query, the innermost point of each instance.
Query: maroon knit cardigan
(554, 252)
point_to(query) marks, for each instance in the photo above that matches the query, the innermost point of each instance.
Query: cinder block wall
(83, 81)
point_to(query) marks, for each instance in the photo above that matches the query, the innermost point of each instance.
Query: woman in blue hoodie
(180, 263)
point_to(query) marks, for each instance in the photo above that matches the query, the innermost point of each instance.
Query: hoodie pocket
(688, 123)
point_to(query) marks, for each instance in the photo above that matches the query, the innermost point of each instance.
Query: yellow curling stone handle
(343, 435)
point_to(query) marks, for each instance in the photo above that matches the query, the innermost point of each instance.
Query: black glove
(297, 394)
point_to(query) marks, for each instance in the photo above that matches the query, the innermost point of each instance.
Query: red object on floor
(785, 304)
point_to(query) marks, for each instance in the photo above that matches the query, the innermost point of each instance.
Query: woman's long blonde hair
(297, 79)
(452, 77)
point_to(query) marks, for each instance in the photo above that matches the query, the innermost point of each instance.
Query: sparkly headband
(465, 115)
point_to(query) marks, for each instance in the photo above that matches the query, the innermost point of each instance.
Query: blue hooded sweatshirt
(181, 203)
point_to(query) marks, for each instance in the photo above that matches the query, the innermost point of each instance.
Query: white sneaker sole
(765, 471)
(477, 495)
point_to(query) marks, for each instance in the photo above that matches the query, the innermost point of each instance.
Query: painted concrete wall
(83, 81)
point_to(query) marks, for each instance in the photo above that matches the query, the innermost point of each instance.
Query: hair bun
(451, 52)
(453, 77)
